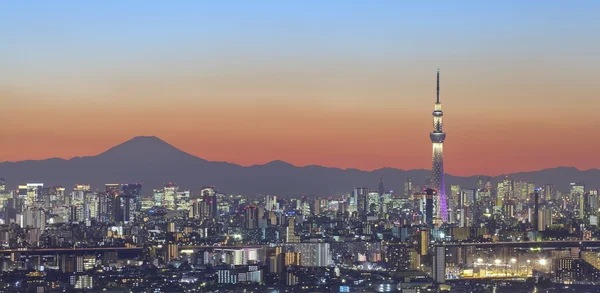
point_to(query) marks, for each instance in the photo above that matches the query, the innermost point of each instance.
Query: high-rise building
(430, 194)
(398, 257)
(544, 218)
(577, 194)
(536, 208)
(317, 207)
(2, 185)
(312, 254)
(381, 188)
(169, 193)
(438, 136)
(271, 203)
(455, 195)
(30, 192)
(454, 203)
(439, 264)
(521, 189)
(360, 196)
(251, 217)
(105, 207)
(592, 202)
(373, 202)
(109, 203)
(91, 206)
(55, 195)
(182, 200)
(209, 203)
(128, 199)
(505, 191)
(34, 218)
(290, 232)
(158, 197)
(408, 187)
(77, 213)
(112, 201)
(549, 192)
(424, 242)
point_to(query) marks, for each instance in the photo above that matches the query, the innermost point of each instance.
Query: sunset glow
(353, 87)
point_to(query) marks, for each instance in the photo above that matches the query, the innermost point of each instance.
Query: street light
(543, 262)
(479, 260)
(513, 260)
(497, 261)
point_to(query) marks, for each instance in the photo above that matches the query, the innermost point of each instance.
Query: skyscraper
(549, 192)
(407, 187)
(578, 197)
(360, 197)
(439, 265)
(437, 139)
(209, 203)
(169, 193)
(290, 232)
(251, 217)
(536, 208)
(373, 205)
(109, 203)
(131, 195)
(430, 194)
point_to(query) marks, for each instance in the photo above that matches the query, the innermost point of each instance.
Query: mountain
(152, 161)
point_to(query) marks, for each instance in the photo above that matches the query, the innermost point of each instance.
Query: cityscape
(341, 216)
(122, 237)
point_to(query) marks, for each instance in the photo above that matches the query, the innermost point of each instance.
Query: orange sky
(342, 85)
(344, 121)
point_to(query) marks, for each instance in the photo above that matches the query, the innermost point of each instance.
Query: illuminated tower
(437, 139)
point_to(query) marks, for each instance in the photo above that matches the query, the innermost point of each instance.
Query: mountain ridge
(152, 161)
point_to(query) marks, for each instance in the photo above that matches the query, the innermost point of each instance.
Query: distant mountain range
(152, 162)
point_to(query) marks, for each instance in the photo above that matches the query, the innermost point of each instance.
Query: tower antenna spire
(438, 86)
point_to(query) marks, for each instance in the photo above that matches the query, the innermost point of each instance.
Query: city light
(513, 260)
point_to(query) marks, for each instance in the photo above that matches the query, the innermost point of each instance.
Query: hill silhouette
(152, 161)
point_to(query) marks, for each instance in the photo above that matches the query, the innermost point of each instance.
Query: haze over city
(336, 83)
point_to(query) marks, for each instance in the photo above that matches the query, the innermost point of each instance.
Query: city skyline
(292, 146)
(332, 91)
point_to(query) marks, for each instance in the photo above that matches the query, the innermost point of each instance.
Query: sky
(347, 84)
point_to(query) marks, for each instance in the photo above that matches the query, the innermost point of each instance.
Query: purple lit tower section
(437, 139)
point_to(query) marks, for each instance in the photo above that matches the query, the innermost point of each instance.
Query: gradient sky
(334, 83)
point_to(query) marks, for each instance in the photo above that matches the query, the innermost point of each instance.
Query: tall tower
(437, 139)
(381, 188)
